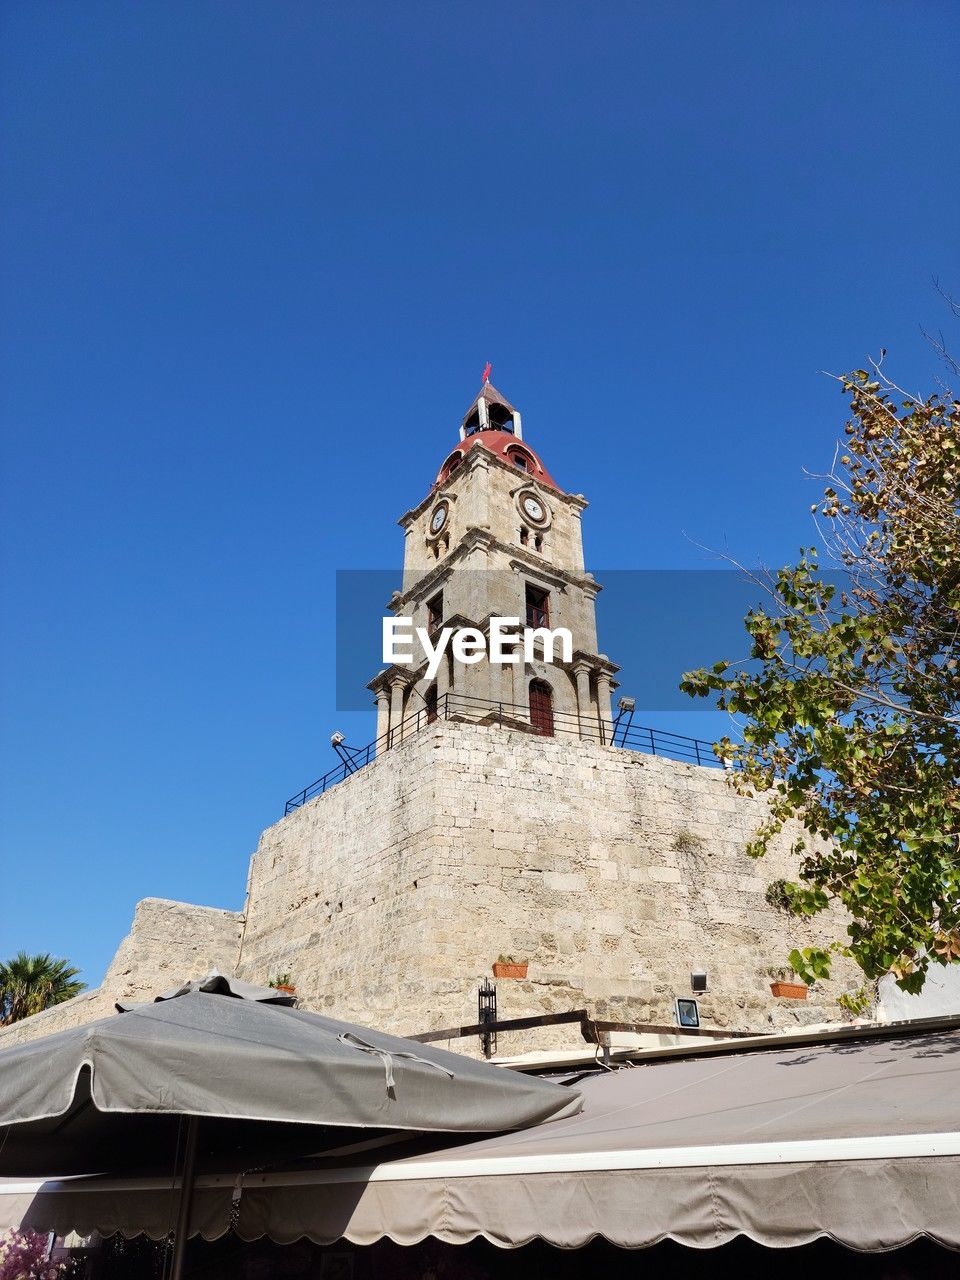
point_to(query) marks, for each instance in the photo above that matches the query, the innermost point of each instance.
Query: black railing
(513, 715)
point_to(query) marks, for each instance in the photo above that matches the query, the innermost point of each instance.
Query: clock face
(439, 518)
(533, 508)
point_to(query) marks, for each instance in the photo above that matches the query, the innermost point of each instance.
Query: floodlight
(688, 1013)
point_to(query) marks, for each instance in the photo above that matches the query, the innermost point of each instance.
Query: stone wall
(613, 873)
(168, 943)
(86, 1007)
(343, 893)
(388, 899)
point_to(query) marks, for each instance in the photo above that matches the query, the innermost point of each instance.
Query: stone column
(383, 719)
(396, 709)
(604, 709)
(518, 685)
(443, 687)
(494, 681)
(582, 675)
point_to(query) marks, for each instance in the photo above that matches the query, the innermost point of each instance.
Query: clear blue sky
(254, 257)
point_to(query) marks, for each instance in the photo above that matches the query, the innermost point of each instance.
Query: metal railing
(511, 715)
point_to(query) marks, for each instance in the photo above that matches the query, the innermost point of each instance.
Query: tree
(24, 1255)
(30, 984)
(851, 693)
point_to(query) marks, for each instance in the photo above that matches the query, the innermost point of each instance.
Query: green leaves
(850, 706)
(30, 984)
(810, 964)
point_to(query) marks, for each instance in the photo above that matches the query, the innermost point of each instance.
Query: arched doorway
(541, 707)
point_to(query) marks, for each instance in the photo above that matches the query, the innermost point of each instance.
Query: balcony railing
(511, 715)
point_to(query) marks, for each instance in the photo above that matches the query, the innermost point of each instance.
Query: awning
(130, 1206)
(857, 1140)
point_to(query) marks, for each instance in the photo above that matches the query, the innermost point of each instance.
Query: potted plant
(507, 967)
(282, 983)
(784, 985)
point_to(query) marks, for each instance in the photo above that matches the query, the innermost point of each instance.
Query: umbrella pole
(186, 1197)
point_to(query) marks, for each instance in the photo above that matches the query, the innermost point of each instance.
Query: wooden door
(541, 708)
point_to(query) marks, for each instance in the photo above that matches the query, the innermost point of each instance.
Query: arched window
(472, 425)
(541, 708)
(448, 468)
(500, 417)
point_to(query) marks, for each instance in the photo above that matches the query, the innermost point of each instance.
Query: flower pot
(501, 970)
(789, 990)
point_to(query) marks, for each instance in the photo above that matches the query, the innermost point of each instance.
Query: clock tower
(496, 536)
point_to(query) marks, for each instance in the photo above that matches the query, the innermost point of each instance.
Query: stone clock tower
(509, 822)
(496, 536)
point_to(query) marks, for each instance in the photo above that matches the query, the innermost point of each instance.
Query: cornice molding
(479, 456)
(598, 662)
(519, 560)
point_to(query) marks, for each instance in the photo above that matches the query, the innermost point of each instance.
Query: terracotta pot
(789, 990)
(501, 970)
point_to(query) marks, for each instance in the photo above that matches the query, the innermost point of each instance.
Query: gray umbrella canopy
(266, 1080)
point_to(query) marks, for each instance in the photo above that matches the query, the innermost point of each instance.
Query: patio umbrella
(223, 1077)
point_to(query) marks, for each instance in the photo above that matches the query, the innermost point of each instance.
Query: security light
(336, 739)
(626, 704)
(688, 1013)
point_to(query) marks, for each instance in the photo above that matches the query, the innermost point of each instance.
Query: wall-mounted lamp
(687, 1013)
(487, 1012)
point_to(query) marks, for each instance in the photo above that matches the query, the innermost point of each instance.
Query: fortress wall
(86, 1007)
(168, 943)
(388, 898)
(340, 891)
(613, 873)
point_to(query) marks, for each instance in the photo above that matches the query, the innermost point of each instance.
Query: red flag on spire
(486, 372)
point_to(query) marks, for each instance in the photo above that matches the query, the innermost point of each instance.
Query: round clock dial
(439, 518)
(533, 508)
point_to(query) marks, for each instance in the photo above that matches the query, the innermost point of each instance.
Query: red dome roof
(505, 446)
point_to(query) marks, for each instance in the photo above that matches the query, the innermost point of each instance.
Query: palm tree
(30, 984)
